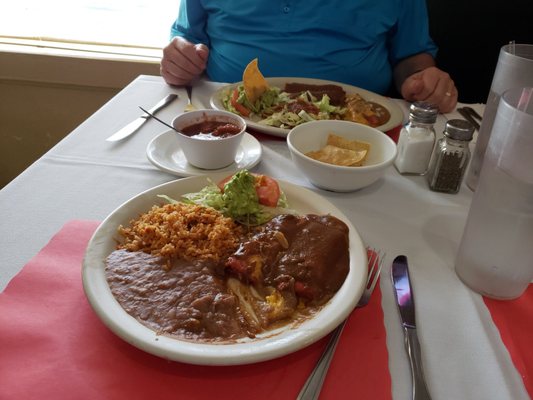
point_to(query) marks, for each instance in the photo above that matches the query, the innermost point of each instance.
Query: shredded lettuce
(325, 107)
(283, 119)
(209, 196)
(305, 116)
(269, 99)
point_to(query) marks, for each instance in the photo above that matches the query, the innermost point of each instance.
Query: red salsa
(211, 129)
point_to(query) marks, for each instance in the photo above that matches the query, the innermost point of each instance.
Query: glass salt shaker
(450, 157)
(417, 139)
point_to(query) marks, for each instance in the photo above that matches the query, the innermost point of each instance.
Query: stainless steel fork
(189, 106)
(313, 385)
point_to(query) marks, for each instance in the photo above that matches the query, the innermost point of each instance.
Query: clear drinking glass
(514, 69)
(495, 256)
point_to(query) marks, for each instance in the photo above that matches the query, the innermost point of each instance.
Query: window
(129, 23)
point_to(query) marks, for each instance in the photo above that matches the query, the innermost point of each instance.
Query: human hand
(432, 85)
(183, 61)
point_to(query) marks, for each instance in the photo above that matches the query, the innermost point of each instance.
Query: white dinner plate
(166, 154)
(396, 113)
(265, 346)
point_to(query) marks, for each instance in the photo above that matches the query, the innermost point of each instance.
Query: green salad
(241, 198)
(281, 109)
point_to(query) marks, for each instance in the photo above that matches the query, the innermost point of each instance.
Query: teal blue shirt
(351, 41)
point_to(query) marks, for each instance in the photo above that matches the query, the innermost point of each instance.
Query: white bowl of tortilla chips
(341, 156)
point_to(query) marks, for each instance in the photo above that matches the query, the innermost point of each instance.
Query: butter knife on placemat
(137, 123)
(406, 304)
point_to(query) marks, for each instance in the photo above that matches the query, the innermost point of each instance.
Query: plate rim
(395, 110)
(251, 141)
(288, 341)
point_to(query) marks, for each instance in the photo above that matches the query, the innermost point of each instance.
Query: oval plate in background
(396, 113)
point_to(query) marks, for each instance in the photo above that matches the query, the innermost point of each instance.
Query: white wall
(44, 96)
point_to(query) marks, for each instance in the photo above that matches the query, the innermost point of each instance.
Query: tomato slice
(267, 189)
(238, 106)
(373, 120)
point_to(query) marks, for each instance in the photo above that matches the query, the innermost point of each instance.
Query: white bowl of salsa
(209, 138)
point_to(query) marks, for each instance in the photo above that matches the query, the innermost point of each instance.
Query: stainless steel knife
(137, 123)
(406, 304)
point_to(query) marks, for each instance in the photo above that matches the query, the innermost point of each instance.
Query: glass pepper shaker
(450, 157)
(417, 139)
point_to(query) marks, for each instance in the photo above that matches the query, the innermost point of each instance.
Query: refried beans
(190, 300)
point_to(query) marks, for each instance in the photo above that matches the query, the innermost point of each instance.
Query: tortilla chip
(253, 81)
(339, 156)
(343, 143)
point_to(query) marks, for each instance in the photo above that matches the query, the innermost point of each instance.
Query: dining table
(53, 345)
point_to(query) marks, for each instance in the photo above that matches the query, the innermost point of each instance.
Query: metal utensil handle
(466, 115)
(160, 105)
(311, 388)
(420, 390)
(149, 114)
(473, 112)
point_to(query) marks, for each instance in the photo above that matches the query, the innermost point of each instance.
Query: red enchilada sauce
(211, 129)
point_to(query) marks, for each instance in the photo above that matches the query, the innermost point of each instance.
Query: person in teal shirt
(366, 43)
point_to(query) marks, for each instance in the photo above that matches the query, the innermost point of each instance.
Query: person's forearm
(409, 66)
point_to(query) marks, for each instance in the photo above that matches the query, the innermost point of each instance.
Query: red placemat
(394, 133)
(53, 346)
(514, 320)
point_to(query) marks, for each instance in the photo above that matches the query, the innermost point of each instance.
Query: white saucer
(166, 154)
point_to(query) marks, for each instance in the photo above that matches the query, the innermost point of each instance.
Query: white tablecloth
(85, 177)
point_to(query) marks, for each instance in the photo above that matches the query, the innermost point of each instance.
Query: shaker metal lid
(459, 129)
(423, 112)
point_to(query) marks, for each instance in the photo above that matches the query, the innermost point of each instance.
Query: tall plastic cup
(495, 257)
(514, 69)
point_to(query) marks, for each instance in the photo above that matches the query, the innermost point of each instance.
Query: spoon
(158, 120)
